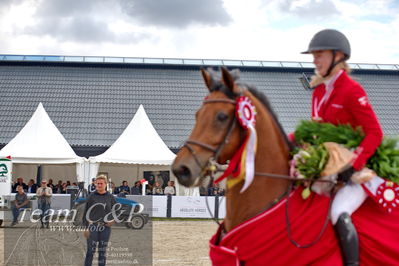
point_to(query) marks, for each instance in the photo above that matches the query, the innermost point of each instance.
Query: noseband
(211, 166)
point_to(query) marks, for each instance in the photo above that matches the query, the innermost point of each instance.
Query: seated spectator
(20, 182)
(21, 202)
(148, 189)
(214, 190)
(114, 189)
(31, 186)
(92, 187)
(157, 189)
(203, 191)
(169, 190)
(136, 189)
(125, 189)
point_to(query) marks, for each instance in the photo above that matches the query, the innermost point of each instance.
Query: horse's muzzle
(183, 174)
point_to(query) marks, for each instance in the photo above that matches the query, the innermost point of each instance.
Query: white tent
(41, 143)
(138, 148)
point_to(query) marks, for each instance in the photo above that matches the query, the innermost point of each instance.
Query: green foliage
(316, 133)
(385, 161)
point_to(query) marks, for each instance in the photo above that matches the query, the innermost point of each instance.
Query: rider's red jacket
(346, 102)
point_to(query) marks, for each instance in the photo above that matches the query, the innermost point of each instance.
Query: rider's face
(322, 60)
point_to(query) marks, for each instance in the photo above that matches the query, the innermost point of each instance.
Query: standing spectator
(44, 194)
(20, 182)
(64, 188)
(157, 189)
(32, 187)
(98, 207)
(124, 189)
(58, 187)
(136, 189)
(51, 185)
(169, 190)
(92, 187)
(173, 185)
(21, 202)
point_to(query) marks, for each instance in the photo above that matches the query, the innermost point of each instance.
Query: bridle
(211, 166)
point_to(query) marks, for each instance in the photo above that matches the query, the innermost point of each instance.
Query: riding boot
(348, 239)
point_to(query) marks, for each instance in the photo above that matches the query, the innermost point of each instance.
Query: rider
(338, 99)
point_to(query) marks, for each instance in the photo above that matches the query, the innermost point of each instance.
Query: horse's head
(216, 135)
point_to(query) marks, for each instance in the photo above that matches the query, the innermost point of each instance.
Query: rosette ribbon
(242, 165)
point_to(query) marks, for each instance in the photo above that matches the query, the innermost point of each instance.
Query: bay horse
(270, 223)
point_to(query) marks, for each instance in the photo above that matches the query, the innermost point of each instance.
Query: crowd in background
(124, 189)
(59, 188)
(150, 189)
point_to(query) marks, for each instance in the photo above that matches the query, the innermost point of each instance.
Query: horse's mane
(265, 101)
(219, 86)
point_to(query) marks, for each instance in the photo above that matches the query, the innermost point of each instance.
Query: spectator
(64, 188)
(32, 187)
(58, 187)
(114, 189)
(92, 187)
(68, 183)
(20, 182)
(203, 191)
(169, 190)
(148, 189)
(173, 185)
(21, 202)
(136, 189)
(214, 190)
(124, 189)
(51, 185)
(44, 194)
(157, 189)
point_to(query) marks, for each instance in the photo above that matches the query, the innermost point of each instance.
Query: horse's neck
(271, 157)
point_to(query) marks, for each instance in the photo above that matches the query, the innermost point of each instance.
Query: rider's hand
(346, 174)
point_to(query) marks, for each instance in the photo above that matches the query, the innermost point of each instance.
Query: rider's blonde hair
(317, 79)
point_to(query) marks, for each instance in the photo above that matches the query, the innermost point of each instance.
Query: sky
(271, 30)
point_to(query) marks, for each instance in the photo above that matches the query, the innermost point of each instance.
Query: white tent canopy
(138, 144)
(40, 142)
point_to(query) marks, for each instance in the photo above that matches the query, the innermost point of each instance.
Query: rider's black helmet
(329, 40)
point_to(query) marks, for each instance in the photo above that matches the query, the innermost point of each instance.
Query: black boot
(348, 239)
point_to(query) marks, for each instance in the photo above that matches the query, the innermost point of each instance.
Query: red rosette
(387, 195)
(246, 112)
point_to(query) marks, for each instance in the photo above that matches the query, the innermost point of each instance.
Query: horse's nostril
(183, 174)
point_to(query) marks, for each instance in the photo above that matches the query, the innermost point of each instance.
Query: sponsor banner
(5, 176)
(155, 206)
(193, 207)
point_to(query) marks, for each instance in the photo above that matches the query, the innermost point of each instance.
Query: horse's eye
(222, 117)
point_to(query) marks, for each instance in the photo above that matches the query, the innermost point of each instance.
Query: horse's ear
(207, 79)
(229, 79)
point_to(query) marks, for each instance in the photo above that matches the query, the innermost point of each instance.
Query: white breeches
(349, 198)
